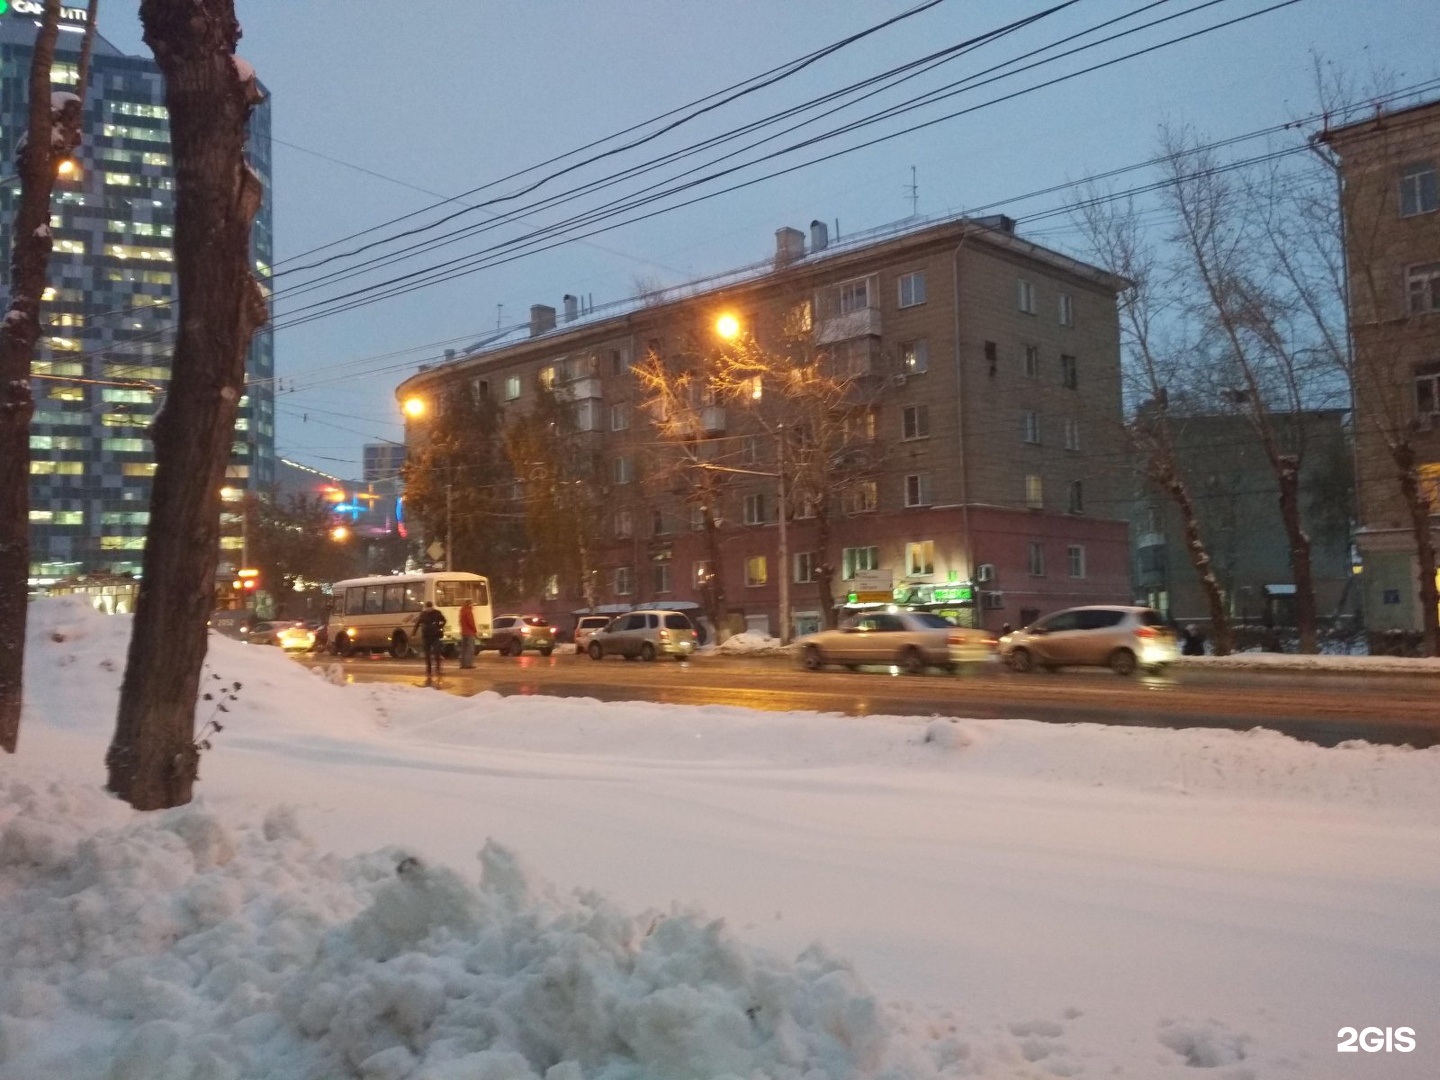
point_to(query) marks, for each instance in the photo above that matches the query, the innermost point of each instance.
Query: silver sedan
(913, 640)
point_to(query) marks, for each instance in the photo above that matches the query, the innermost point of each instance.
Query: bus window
(374, 599)
(394, 599)
(414, 596)
(354, 601)
(455, 593)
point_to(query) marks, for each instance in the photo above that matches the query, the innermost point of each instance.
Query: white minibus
(380, 612)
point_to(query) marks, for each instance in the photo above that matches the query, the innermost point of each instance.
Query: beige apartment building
(991, 372)
(1388, 168)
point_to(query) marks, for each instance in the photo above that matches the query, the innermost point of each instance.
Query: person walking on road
(431, 624)
(468, 634)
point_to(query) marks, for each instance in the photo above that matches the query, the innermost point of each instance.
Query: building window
(858, 558)
(860, 497)
(992, 357)
(1077, 560)
(749, 449)
(805, 564)
(660, 575)
(619, 361)
(912, 289)
(1025, 296)
(1032, 361)
(1427, 396)
(1031, 426)
(697, 518)
(853, 296)
(915, 357)
(756, 571)
(661, 523)
(1417, 189)
(915, 422)
(1077, 497)
(1067, 309)
(1423, 285)
(619, 417)
(1069, 373)
(1034, 493)
(917, 489)
(512, 388)
(852, 359)
(552, 587)
(622, 470)
(624, 525)
(700, 573)
(757, 509)
(920, 558)
(1037, 559)
(1072, 433)
(624, 580)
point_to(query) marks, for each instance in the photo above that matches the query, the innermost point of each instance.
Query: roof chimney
(542, 319)
(789, 246)
(819, 236)
(572, 308)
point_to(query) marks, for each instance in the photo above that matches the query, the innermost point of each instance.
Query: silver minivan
(1123, 639)
(587, 626)
(644, 635)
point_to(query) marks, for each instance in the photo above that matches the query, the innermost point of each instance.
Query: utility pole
(449, 524)
(784, 559)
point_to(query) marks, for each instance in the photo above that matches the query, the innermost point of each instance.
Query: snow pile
(750, 644)
(178, 945)
(1337, 663)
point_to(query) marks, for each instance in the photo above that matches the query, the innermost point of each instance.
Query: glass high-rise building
(108, 318)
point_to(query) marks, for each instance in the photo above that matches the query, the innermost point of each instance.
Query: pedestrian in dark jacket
(431, 624)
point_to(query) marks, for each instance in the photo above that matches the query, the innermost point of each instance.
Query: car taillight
(956, 639)
(524, 629)
(1147, 632)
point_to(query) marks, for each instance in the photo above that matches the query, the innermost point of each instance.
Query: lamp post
(415, 408)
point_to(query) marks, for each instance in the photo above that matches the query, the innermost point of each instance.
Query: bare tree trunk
(1404, 457)
(50, 115)
(824, 568)
(153, 760)
(1287, 473)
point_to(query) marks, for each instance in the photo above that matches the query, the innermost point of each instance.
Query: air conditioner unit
(985, 572)
(898, 379)
(994, 601)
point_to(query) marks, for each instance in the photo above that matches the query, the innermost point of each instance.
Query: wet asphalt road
(1324, 709)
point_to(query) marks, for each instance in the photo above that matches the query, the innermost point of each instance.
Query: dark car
(513, 634)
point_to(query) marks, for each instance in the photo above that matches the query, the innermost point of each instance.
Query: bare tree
(153, 760)
(52, 134)
(1154, 372)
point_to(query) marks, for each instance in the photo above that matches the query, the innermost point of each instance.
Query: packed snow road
(1323, 709)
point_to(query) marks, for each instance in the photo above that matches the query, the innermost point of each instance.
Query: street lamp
(339, 534)
(728, 327)
(414, 407)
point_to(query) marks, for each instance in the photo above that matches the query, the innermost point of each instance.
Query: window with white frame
(512, 387)
(1037, 559)
(619, 417)
(920, 558)
(853, 295)
(915, 422)
(804, 568)
(622, 470)
(860, 497)
(1025, 296)
(917, 489)
(749, 449)
(624, 524)
(1030, 426)
(852, 359)
(1032, 361)
(549, 375)
(1034, 492)
(758, 509)
(1418, 194)
(1077, 496)
(660, 575)
(1422, 284)
(912, 289)
(858, 558)
(757, 571)
(697, 517)
(619, 361)
(804, 506)
(1427, 395)
(1076, 554)
(624, 580)
(1067, 309)
(1072, 433)
(1069, 372)
(915, 357)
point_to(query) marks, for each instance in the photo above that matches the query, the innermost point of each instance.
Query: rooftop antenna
(499, 314)
(914, 193)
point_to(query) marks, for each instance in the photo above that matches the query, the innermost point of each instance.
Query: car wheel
(547, 650)
(1122, 662)
(1022, 661)
(647, 652)
(912, 661)
(515, 647)
(595, 651)
(344, 646)
(813, 658)
(399, 645)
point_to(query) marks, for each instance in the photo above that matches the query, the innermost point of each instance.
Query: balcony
(712, 420)
(579, 389)
(852, 324)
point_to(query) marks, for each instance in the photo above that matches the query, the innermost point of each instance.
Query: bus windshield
(455, 593)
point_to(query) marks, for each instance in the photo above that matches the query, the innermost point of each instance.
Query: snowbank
(748, 644)
(1331, 663)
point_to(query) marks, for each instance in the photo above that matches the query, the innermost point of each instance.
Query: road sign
(876, 596)
(871, 581)
(436, 551)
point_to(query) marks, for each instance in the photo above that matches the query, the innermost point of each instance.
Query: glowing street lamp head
(728, 327)
(339, 533)
(67, 169)
(414, 407)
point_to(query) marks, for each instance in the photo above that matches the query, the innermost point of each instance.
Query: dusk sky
(381, 109)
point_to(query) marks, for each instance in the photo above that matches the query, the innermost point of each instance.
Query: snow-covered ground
(667, 892)
(1333, 663)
